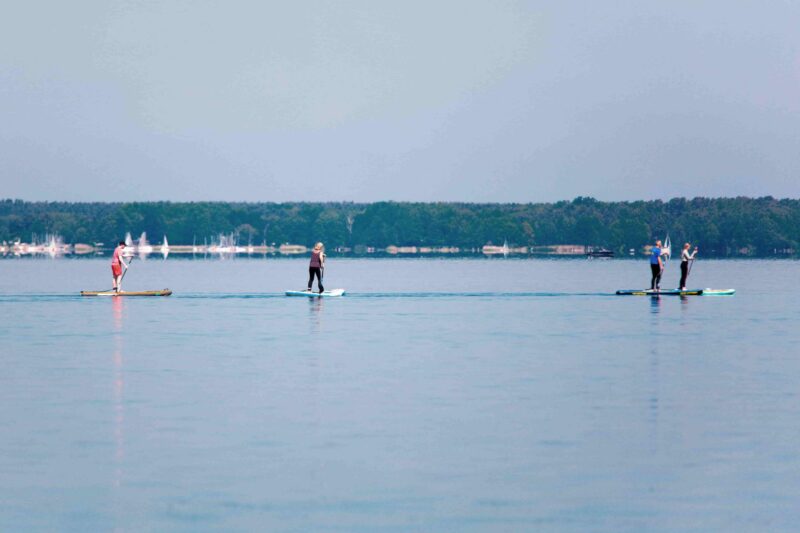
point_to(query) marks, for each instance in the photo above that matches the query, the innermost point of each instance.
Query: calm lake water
(438, 395)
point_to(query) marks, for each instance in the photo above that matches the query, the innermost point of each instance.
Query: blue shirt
(654, 258)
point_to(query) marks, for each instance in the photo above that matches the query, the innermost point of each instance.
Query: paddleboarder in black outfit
(685, 258)
(656, 267)
(317, 266)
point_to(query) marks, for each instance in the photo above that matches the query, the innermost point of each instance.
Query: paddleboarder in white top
(117, 264)
(686, 257)
(317, 266)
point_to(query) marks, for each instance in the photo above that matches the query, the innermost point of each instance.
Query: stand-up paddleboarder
(117, 264)
(686, 257)
(656, 266)
(317, 266)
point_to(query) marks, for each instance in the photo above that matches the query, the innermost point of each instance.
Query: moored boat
(602, 252)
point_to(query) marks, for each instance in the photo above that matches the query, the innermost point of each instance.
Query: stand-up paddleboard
(718, 292)
(662, 292)
(676, 292)
(162, 292)
(311, 294)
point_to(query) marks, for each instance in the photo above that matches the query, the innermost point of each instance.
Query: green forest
(720, 226)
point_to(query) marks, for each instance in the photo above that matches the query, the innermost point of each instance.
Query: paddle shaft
(125, 271)
(126, 268)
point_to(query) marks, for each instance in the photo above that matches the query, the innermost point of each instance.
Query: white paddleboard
(719, 292)
(311, 294)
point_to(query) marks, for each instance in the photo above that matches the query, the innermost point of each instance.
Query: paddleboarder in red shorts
(117, 263)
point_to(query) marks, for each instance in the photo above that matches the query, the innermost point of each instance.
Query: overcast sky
(409, 100)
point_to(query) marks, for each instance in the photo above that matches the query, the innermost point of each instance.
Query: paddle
(126, 268)
(124, 271)
(691, 262)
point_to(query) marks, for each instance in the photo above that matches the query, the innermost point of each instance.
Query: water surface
(439, 395)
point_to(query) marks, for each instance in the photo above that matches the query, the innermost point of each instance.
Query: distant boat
(490, 249)
(292, 249)
(165, 248)
(144, 247)
(602, 252)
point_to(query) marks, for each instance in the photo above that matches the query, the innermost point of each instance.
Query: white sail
(144, 247)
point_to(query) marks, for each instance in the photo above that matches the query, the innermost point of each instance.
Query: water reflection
(656, 345)
(315, 313)
(655, 304)
(684, 307)
(118, 311)
(653, 400)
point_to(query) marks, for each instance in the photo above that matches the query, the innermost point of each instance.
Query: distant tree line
(720, 226)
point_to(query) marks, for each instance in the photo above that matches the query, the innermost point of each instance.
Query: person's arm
(122, 262)
(321, 260)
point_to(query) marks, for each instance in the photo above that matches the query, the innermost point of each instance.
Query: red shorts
(116, 270)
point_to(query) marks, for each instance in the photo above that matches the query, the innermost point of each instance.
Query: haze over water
(438, 395)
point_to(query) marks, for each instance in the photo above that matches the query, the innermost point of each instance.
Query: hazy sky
(404, 100)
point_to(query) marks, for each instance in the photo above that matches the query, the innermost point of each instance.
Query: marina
(228, 246)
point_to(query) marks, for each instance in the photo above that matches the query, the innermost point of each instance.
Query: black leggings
(656, 271)
(312, 271)
(684, 273)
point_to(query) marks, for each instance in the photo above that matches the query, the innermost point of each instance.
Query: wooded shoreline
(755, 227)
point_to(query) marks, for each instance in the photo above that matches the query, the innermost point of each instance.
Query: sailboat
(165, 248)
(144, 248)
(490, 249)
(666, 249)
